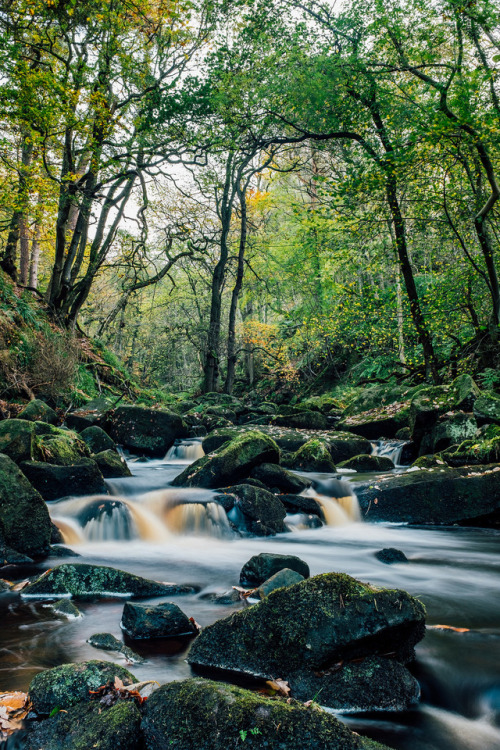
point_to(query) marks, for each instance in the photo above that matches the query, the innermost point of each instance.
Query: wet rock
(66, 608)
(473, 452)
(276, 477)
(231, 462)
(111, 464)
(302, 504)
(97, 440)
(367, 463)
(391, 555)
(9, 556)
(486, 409)
(149, 431)
(317, 622)
(313, 456)
(88, 581)
(451, 429)
(165, 620)
(54, 482)
(68, 684)
(38, 411)
(55, 445)
(254, 483)
(25, 524)
(108, 642)
(286, 439)
(90, 725)
(224, 599)
(302, 420)
(282, 579)
(57, 550)
(17, 439)
(179, 713)
(429, 462)
(262, 567)
(260, 512)
(375, 684)
(383, 421)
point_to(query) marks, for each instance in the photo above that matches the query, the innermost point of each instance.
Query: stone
(18, 439)
(344, 445)
(276, 477)
(262, 567)
(473, 452)
(55, 445)
(108, 642)
(68, 684)
(200, 713)
(302, 504)
(391, 555)
(486, 409)
(231, 462)
(148, 431)
(259, 511)
(111, 464)
(54, 482)
(84, 581)
(305, 420)
(57, 550)
(282, 579)
(25, 524)
(322, 620)
(425, 408)
(66, 608)
(313, 456)
(38, 411)
(450, 429)
(367, 463)
(97, 440)
(464, 392)
(165, 620)
(383, 421)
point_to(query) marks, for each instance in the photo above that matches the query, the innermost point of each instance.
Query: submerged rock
(87, 581)
(67, 685)
(311, 625)
(231, 462)
(165, 620)
(38, 411)
(150, 431)
(108, 642)
(367, 463)
(391, 555)
(54, 482)
(261, 567)
(180, 714)
(66, 608)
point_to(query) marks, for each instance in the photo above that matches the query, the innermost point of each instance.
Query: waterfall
(392, 449)
(184, 452)
(338, 501)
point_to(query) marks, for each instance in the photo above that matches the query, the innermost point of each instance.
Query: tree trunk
(9, 258)
(35, 257)
(232, 356)
(24, 250)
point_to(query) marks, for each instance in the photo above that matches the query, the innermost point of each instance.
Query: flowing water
(181, 535)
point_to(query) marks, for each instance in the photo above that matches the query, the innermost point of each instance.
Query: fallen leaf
(449, 627)
(280, 686)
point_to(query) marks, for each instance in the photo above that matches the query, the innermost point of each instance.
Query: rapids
(181, 535)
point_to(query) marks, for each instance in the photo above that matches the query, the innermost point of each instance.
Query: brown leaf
(449, 627)
(280, 686)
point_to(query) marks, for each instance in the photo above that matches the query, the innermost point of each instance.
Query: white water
(392, 449)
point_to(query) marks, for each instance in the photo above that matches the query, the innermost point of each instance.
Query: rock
(111, 464)
(179, 715)
(451, 429)
(97, 440)
(313, 456)
(68, 684)
(367, 463)
(54, 482)
(473, 452)
(225, 598)
(322, 620)
(391, 555)
(432, 496)
(221, 411)
(9, 556)
(38, 411)
(375, 684)
(108, 642)
(276, 477)
(232, 462)
(344, 445)
(464, 392)
(260, 512)
(88, 581)
(165, 620)
(486, 409)
(425, 408)
(66, 608)
(384, 421)
(58, 446)
(378, 396)
(403, 434)
(282, 579)
(18, 439)
(25, 523)
(302, 504)
(262, 567)
(429, 462)
(146, 430)
(56, 550)
(90, 725)
(302, 420)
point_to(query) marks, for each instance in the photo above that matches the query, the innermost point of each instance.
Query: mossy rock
(38, 411)
(24, 519)
(84, 581)
(384, 421)
(487, 408)
(259, 512)
(367, 463)
(319, 621)
(97, 440)
(279, 479)
(148, 431)
(108, 642)
(451, 429)
(302, 420)
(282, 579)
(18, 439)
(473, 452)
(165, 620)
(111, 464)
(265, 565)
(231, 462)
(221, 411)
(199, 713)
(344, 445)
(464, 392)
(58, 446)
(378, 396)
(430, 462)
(313, 456)
(54, 481)
(68, 684)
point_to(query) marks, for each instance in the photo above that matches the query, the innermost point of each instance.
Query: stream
(151, 530)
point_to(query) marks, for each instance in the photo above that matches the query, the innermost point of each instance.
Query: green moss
(474, 452)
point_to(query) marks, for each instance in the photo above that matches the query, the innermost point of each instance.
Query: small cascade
(195, 518)
(392, 449)
(184, 452)
(338, 502)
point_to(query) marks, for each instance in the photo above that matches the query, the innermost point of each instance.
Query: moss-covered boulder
(261, 567)
(18, 439)
(425, 408)
(464, 392)
(311, 624)
(450, 429)
(473, 452)
(379, 396)
(231, 462)
(255, 510)
(487, 408)
(111, 464)
(90, 725)
(382, 421)
(38, 411)
(211, 715)
(429, 461)
(54, 482)
(148, 431)
(367, 463)
(84, 581)
(279, 479)
(24, 519)
(165, 620)
(302, 420)
(58, 446)
(313, 456)
(221, 411)
(97, 440)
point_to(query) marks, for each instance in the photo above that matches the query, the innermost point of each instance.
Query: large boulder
(38, 411)
(24, 519)
(68, 684)
(450, 429)
(261, 567)
(54, 482)
(367, 463)
(84, 581)
(464, 392)
(313, 456)
(302, 420)
(473, 452)
(383, 421)
(18, 439)
(487, 408)
(432, 496)
(165, 620)
(318, 622)
(58, 446)
(111, 464)
(199, 713)
(148, 431)
(97, 440)
(255, 510)
(279, 479)
(232, 462)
